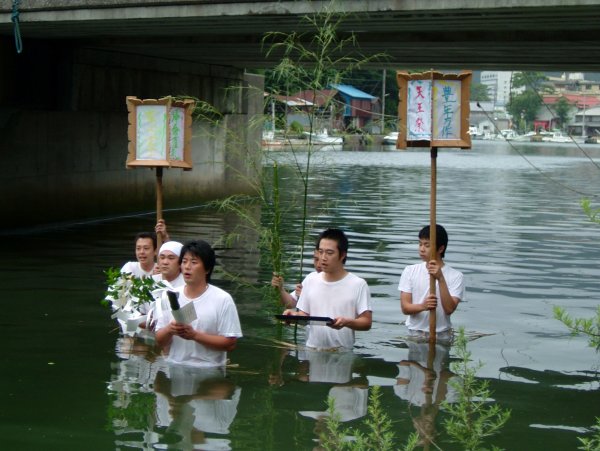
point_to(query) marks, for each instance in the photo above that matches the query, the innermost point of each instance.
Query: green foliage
(296, 127)
(479, 92)
(591, 443)
(592, 213)
(473, 418)
(532, 81)
(312, 61)
(130, 411)
(379, 433)
(562, 109)
(123, 288)
(525, 106)
(585, 326)
(203, 111)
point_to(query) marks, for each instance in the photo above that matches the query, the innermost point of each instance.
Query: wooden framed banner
(159, 132)
(433, 109)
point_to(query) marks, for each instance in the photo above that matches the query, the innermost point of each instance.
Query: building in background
(499, 85)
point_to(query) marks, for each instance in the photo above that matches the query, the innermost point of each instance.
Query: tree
(479, 92)
(532, 81)
(524, 108)
(562, 110)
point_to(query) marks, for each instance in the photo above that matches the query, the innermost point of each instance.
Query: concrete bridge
(62, 112)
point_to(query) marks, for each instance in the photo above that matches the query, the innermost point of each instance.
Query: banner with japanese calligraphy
(419, 110)
(433, 110)
(160, 132)
(446, 111)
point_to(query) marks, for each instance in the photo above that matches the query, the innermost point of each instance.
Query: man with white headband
(168, 265)
(170, 275)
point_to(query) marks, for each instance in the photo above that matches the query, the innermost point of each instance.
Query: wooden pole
(432, 240)
(159, 202)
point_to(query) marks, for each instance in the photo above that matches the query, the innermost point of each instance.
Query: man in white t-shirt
(206, 340)
(168, 265)
(415, 299)
(334, 293)
(145, 251)
(170, 275)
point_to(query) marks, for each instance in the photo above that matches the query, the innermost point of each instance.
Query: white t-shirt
(216, 315)
(415, 280)
(136, 269)
(293, 292)
(161, 301)
(175, 283)
(348, 297)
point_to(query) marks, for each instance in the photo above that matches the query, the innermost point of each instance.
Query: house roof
(318, 98)
(574, 99)
(351, 91)
(293, 101)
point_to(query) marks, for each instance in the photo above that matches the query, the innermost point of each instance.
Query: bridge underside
(525, 35)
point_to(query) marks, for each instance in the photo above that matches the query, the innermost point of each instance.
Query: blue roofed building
(360, 109)
(342, 108)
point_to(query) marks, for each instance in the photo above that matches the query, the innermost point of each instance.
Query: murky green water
(69, 382)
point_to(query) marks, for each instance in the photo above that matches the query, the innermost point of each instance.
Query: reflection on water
(423, 380)
(515, 231)
(155, 405)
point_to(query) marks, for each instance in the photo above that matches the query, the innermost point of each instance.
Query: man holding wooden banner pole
(431, 289)
(433, 110)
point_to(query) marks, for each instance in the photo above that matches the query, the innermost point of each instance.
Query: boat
(390, 138)
(475, 133)
(509, 135)
(557, 137)
(323, 138)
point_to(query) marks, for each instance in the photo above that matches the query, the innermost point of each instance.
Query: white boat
(557, 137)
(324, 138)
(475, 133)
(391, 138)
(509, 135)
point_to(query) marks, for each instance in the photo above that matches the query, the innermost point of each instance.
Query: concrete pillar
(63, 123)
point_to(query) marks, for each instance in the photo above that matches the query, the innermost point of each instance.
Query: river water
(517, 232)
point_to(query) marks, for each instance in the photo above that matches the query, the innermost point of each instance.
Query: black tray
(302, 318)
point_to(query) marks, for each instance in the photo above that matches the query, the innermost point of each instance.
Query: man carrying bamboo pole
(415, 297)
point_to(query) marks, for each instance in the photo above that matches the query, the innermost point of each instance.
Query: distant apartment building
(498, 86)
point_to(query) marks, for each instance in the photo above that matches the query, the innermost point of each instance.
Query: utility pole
(383, 103)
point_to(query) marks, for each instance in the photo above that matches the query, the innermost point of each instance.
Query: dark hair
(441, 237)
(203, 251)
(145, 235)
(338, 236)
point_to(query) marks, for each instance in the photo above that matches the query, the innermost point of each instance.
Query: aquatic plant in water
(473, 418)
(379, 434)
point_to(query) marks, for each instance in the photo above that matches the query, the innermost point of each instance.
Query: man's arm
(449, 302)
(362, 322)
(408, 308)
(287, 300)
(218, 342)
(165, 335)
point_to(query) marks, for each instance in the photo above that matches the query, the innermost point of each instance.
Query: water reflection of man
(192, 403)
(349, 395)
(423, 381)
